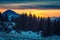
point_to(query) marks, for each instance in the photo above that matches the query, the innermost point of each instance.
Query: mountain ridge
(10, 14)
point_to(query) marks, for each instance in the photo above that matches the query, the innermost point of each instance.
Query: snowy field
(26, 36)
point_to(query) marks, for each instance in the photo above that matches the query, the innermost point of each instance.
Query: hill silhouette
(10, 14)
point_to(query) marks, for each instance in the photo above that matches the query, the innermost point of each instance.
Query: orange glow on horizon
(37, 12)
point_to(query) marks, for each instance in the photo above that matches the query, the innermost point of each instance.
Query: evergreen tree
(47, 27)
(17, 26)
(57, 27)
(0, 16)
(41, 23)
(30, 22)
(34, 23)
(6, 17)
(21, 23)
(0, 21)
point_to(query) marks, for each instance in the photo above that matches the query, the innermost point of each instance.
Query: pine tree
(17, 26)
(0, 21)
(57, 27)
(34, 23)
(41, 24)
(30, 22)
(0, 16)
(21, 23)
(47, 27)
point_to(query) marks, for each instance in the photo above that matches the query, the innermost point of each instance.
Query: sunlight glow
(37, 12)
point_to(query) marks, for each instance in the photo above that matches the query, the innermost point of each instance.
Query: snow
(26, 35)
(9, 24)
(30, 33)
(13, 32)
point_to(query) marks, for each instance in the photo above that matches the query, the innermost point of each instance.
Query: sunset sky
(42, 8)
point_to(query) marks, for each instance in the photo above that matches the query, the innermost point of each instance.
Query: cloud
(45, 5)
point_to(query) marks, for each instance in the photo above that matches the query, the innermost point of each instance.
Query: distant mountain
(55, 18)
(10, 14)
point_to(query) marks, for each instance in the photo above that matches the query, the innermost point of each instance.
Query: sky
(43, 8)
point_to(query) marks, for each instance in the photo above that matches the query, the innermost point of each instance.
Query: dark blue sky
(45, 4)
(22, 1)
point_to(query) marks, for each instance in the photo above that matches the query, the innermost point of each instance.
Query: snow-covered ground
(26, 35)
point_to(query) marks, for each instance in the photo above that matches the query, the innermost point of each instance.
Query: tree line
(30, 23)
